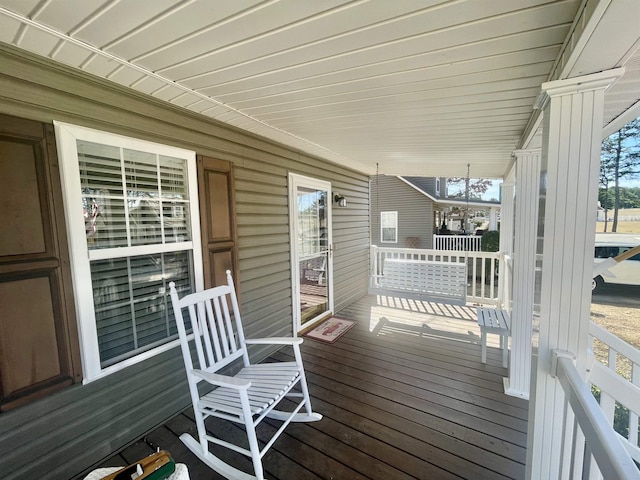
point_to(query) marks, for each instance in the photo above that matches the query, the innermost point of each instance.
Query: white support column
(493, 218)
(572, 135)
(524, 258)
(507, 190)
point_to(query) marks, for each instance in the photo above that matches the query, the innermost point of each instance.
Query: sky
(493, 191)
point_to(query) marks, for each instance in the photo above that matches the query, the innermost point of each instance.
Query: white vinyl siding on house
(133, 226)
(389, 227)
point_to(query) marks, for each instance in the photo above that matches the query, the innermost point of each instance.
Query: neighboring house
(408, 211)
(88, 357)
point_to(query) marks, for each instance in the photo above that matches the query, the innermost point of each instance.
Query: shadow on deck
(402, 398)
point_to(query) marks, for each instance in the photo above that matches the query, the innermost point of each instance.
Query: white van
(611, 245)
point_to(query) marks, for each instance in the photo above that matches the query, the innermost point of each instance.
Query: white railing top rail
(603, 442)
(621, 391)
(423, 253)
(615, 343)
(616, 373)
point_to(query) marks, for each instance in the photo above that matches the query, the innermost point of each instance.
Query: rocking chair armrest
(222, 380)
(274, 341)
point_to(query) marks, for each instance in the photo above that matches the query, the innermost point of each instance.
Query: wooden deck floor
(403, 398)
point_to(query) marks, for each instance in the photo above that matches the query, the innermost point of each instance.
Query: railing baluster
(633, 417)
(617, 387)
(602, 441)
(472, 243)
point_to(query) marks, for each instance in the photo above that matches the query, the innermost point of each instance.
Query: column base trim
(512, 392)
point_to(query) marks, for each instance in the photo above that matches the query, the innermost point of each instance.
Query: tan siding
(66, 425)
(265, 240)
(415, 211)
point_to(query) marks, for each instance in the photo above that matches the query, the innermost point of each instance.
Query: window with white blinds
(389, 227)
(132, 215)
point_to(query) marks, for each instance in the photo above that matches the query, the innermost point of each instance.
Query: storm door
(311, 250)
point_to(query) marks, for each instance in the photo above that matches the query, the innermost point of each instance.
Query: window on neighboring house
(389, 227)
(132, 217)
(438, 186)
(446, 187)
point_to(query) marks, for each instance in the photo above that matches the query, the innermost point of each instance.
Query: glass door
(311, 250)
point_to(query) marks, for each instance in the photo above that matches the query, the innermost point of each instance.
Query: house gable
(415, 212)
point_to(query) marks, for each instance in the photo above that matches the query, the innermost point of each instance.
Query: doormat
(330, 330)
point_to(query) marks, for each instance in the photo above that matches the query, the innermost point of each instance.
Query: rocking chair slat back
(249, 396)
(215, 329)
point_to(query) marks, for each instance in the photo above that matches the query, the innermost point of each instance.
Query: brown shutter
(218, 219)
(39, 349)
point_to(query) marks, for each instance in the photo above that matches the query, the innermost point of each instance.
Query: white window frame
(66, 137)
(384, 225)
(437, 186)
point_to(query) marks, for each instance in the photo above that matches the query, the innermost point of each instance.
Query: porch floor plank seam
(407, 399)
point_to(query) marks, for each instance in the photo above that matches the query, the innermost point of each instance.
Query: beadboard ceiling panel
(411, 87)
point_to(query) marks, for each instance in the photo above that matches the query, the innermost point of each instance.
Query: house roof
(418, 87)
(422, 185)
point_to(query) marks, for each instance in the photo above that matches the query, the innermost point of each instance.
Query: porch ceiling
(420, 87)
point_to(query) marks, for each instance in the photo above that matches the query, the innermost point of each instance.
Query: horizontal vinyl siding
(269, 263)
(55, 437)
(62, 435)
(350, 238)
(415, 211)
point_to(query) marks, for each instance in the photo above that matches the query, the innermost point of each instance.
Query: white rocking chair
(247, 397)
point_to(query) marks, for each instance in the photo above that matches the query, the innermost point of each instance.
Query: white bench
(425, 279)
(495, 321)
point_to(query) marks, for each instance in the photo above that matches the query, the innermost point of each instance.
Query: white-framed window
(438, 186)
(389, 227)
(132, 218)
(446, 187)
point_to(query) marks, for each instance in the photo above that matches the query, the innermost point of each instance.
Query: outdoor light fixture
(340, 200)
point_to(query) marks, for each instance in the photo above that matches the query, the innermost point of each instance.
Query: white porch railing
(457, 242)
(482, 268)
(608, 427)
(618, 380)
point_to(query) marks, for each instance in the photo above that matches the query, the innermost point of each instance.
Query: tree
(629, 197)
(477, 187)
(619, 159)
(469, 188)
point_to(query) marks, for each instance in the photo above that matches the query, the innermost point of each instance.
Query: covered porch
(402, 398)
(523, 91)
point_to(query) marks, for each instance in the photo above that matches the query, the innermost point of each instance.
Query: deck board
(405, 398)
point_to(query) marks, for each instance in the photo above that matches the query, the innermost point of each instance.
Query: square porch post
(524, 259)
(570, 164)
(506, 239)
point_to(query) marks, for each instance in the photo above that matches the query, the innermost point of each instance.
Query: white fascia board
(621, 120)
(470, 203)
(449, 201)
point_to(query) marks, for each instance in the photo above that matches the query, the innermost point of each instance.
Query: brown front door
(217, 214)
(39, 349)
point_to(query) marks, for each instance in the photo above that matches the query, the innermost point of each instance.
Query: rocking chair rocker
(250, 395)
